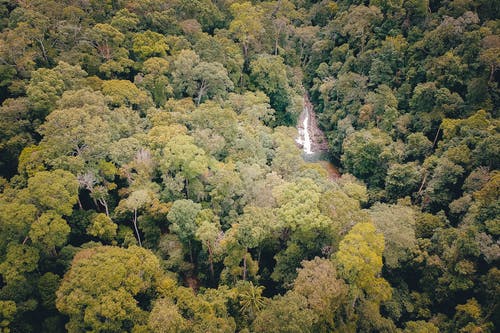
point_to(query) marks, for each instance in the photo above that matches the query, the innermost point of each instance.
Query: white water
(307, 138)
(304, 138)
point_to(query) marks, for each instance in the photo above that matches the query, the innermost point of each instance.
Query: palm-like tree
(251, 299)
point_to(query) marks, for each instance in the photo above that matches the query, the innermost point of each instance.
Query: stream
(312, 140)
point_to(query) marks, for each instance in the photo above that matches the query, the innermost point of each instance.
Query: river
(312, 140)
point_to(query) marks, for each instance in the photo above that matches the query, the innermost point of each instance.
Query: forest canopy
(150, 180)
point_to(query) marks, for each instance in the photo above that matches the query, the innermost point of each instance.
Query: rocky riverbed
(312, 140)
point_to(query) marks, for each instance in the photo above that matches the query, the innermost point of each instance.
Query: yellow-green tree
(99, 291)
(359, 262)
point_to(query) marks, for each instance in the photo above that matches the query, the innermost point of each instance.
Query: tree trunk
(436, 137)
(201, 92)
(137, 230)
(422, 184)
(105, 205)
(44, 52)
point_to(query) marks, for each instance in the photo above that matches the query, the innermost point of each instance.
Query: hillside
(151, 180)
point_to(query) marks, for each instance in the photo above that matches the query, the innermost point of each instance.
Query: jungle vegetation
(150, 182)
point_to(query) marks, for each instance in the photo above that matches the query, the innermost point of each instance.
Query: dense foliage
(150, 182)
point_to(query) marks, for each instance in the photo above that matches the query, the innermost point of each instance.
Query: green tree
(125, 93)
(250, 298)
(47, 286)
(19, 260)
(420, 327)
(246, 27)
(367, 154)
(268, 73)
(149, 44)
(102, 227)
(137, 200)
(402, 180)
(288, 313)
(100, 289)
(44, 89)
(52, 190)
(318, 282)
(155, 79)
(49, 231)
(209, 233)
(397, 224)
(361, 268)
(7, 313)
(182, 215)
(182, 157)
(212, 80)
(358, 21)
(165, 318)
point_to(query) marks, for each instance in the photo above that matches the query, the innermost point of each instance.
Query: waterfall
(312, 140)
(307, 137)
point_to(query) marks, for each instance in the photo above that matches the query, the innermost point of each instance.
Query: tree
(367, 154)
(447, 70)
(417, 146)
(430, 104)
(182, 215)
(44, 89)
(125, 93)
(16, 128)
(443, 186)
(318, 282)
(397, 224)
(358, 21)
(251, 299)
(402, 180)
(489, 55)
(359, 263)
(222, 49)
(420, 327)
(52, 190)
(102, 227)
(47, 286)
(384, 105)
(183, 158)
(212, 80)
(100, 289)
(268, 73)
(7, 313)
(193, 77)
(149, 44)
(209, 233)
(362, 268)
(19, 260)
(155, 79)
(246, 27)
(165, 317)
(288, 313)
(107, 44)
(49, 231)
(342, 96)
(137, 200)
(205, 12)
(183, 73)
(72, 136)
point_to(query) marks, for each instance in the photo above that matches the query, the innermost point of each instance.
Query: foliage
(150, 180)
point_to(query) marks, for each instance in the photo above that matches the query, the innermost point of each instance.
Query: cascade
(312, 140)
